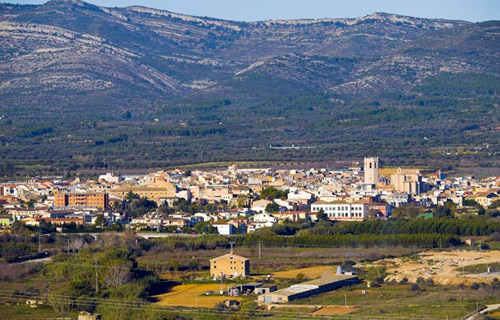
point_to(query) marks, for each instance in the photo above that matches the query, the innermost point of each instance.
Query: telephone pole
(39, 239)
(260, 251)
(96, 278)
(221, 282)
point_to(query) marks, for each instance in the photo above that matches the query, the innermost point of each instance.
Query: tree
(447, 210)
(205, 227)
(321, 215)
(376, 274)
(272, 207)
(495, 204)
(193, 264)
(272, 193)
(242, 200)
(117, 275)
(18, 227)
(100, 221)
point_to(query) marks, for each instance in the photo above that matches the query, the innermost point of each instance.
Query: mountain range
(50, 53)
(207, 76)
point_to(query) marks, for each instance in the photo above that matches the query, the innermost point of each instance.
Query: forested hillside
(88, 87)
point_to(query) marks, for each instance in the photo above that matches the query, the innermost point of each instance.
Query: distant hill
(75, 58)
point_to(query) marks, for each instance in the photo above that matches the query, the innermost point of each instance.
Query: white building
(342, 210)
(396, 199)
(225, 228)
(111, 178)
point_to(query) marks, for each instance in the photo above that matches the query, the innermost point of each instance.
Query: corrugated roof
(311, 285)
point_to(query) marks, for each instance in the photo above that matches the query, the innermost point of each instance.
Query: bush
(420, 280)
(430, 282)
(300, 277)
(414, 287)
(403, 281)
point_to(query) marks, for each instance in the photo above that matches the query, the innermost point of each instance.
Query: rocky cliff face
(53, 53)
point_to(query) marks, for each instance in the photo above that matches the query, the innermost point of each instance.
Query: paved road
(148, 235)
(489, 308)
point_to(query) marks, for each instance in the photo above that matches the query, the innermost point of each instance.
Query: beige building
(229, 265)
(408, 181)
(158, 191)
(484, 198)
(371, 170)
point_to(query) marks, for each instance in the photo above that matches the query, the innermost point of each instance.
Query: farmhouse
(229, 265)
(307, 289)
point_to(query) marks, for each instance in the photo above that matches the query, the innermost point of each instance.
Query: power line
(213, 312)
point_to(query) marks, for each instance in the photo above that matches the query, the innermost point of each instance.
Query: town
(238, 200)
(258, 242)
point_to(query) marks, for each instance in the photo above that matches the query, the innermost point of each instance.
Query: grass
(15, 311)
(309, 273)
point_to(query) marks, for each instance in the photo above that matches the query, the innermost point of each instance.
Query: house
(260, 205)
(291, 216)
(484, 198)
(225, 228)
(229, 265)
(381, 210)
(5, 220)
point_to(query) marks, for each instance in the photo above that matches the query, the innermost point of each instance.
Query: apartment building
(98, 200)
(342, 210)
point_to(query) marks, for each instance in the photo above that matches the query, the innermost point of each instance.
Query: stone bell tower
(371, 170)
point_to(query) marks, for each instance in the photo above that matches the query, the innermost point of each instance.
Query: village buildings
(353, 194)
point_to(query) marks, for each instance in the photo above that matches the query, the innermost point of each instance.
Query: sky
(258, 10)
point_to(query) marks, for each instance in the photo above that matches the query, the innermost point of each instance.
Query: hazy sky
(253, 10)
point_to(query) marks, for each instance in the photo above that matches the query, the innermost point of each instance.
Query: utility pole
(345, 299)
(68, 243)
(96, 278)
(39, 239)
(260, 251)
(221, 282)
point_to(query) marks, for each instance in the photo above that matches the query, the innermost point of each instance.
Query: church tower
(371, 170)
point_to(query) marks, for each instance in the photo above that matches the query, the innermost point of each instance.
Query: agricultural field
(309, 273)
(192, 295)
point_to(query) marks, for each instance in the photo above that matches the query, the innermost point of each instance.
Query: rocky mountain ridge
(63, 49)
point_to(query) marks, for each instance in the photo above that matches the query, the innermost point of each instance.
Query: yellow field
(310, 273)
(191, 295)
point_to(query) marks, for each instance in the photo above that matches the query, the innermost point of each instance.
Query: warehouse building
(307, 289)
